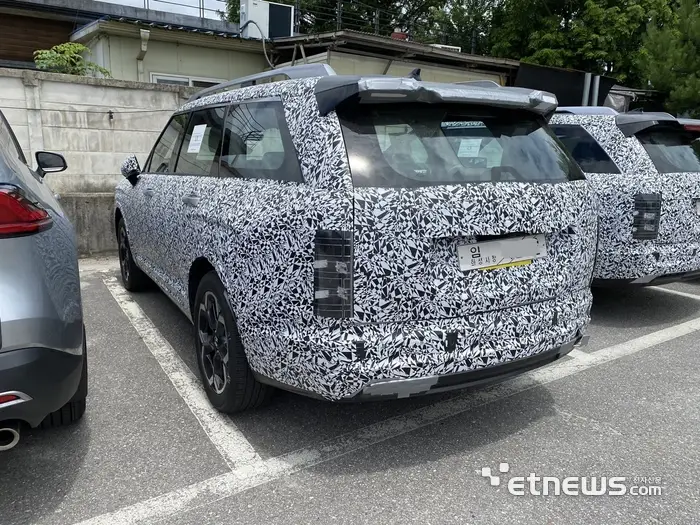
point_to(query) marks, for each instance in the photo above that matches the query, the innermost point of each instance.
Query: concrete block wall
(95, 123)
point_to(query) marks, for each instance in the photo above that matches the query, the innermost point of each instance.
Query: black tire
(133, 278)
(75, 408)
(223, 367)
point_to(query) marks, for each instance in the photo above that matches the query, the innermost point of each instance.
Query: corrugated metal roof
(169, 27)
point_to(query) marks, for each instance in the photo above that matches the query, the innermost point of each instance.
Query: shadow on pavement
(38, 473)
(640, 307)
(290, 421)
(464, 436)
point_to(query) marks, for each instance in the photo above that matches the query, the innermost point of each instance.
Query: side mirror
(48, 162)
(131, 169)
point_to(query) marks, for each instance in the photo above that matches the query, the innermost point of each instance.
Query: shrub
(68, 58)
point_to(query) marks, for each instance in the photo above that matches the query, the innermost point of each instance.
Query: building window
(182, 80)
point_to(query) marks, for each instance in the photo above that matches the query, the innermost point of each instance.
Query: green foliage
(463, 23)
(68, 58)
(671, 59)
(600, 36)
(381, 16)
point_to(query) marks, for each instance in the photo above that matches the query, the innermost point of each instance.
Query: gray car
(43, 368)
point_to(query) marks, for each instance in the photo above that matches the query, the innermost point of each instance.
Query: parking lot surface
(151, 450)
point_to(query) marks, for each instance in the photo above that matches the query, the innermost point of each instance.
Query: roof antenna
(415, 74)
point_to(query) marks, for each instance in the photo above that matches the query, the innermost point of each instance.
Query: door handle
(148, 192)
(191, 200)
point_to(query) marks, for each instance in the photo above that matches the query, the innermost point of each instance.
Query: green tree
(601, 36)
(671, 59)
(68, 58)
(382, 16)
(463, 23)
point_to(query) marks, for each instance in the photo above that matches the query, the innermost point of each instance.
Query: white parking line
(241, 479)
(229, 441)
(677, 292)
(578, 354)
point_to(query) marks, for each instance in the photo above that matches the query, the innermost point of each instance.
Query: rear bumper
(46, 379)
(369, 361)
(398, 388)
(646, 263)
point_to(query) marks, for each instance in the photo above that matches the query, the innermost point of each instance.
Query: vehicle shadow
(640, 307)
(462, 437)
(291, 421)
(38, 473)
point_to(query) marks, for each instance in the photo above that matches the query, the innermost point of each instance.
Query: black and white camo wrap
(130, 166)
(409, 291)
(619, 256)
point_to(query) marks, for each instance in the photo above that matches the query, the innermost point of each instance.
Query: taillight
(647, 214)
(8, 398)
(333, 274)
(18, 215)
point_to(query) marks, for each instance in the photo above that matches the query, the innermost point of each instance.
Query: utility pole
(339, 15)
(297, 15)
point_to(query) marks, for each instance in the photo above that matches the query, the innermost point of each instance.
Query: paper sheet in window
(469, 148)
(197, 138)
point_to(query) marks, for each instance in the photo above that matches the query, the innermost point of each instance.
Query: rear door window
(413, 145)
(257, 144)
(671, 149)
(199, 154)
(166, 149)
(585, 150)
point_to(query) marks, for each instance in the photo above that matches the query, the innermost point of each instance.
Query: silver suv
(43, 368)
(361, 238)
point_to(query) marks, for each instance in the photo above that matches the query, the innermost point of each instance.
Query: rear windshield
(584, 149)
(671, 149)
(419, 145)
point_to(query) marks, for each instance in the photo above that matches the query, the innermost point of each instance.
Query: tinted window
(8, 141)
(257, 143)
(165, 150)
(671, 149)
(584, 149)
(199, 154)
(418, 145)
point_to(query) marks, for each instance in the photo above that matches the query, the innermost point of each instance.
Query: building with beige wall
(351, 64)
(165, 54)
(355, 53)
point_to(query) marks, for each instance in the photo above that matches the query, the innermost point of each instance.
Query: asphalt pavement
(151, 450)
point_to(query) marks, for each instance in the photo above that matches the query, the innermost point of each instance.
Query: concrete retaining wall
(92, 217)
(95, 123)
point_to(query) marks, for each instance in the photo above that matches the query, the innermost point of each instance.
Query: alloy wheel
(124, 253)
(214, 340)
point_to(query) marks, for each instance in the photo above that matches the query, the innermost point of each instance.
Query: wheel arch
(200, 267)
(117, 217)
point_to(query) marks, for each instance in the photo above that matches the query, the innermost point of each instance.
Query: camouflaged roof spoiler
(331, 91)
(634, 122)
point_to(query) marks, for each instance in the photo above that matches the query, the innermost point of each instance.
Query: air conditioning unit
(275, 20)
(456, 49)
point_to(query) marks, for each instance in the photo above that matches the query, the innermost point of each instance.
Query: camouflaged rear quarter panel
(619, 256)
(262, 248)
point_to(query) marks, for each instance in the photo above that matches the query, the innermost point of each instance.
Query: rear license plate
(489, 255)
